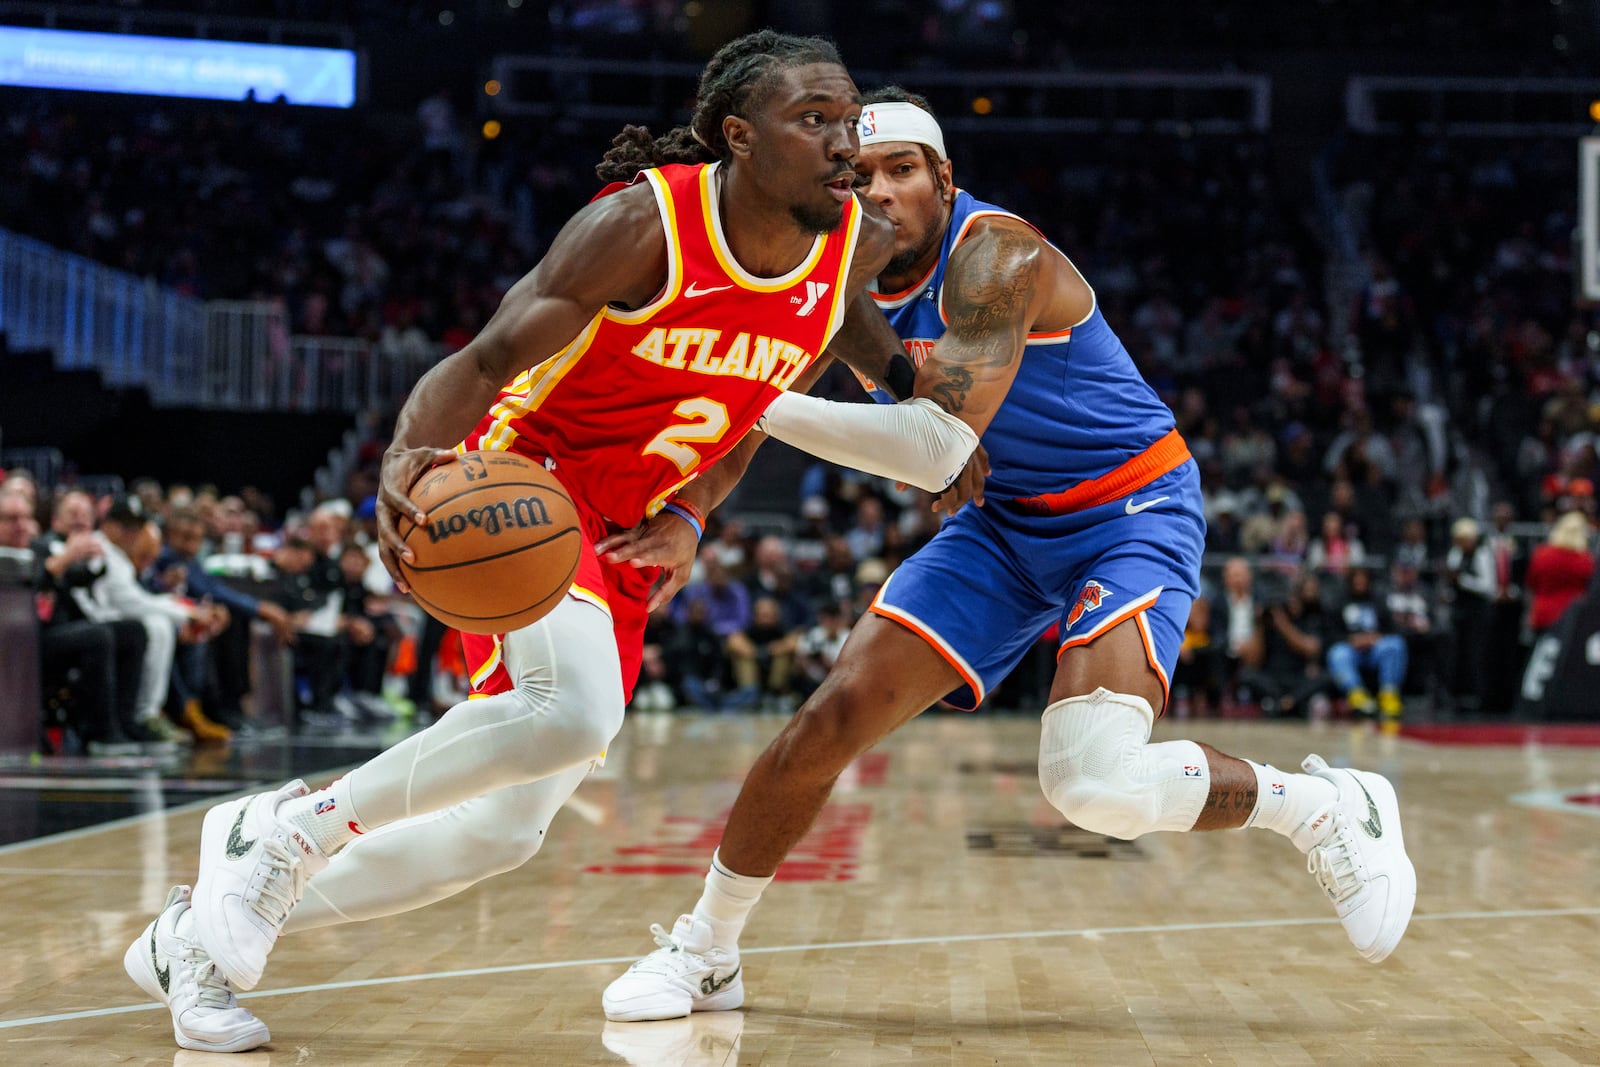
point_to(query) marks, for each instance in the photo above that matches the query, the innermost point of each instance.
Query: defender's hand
(665, 541)
(398, 474)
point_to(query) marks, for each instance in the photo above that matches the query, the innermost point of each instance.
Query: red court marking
(1584, 735)
(1583, 798)
(829, 853)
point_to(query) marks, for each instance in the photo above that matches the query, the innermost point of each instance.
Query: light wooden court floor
(940, 914)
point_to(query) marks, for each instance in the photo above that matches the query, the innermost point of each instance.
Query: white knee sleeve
(564, 711)
(1097, 767)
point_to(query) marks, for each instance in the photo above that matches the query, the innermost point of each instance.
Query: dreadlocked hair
(736, 82)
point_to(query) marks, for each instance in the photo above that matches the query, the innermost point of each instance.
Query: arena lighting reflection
(170, 66)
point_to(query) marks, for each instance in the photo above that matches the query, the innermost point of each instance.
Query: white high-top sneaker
(168, 963)
(685, 974)
(1354, 849)
(253, 870)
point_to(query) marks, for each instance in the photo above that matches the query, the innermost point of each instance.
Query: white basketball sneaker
(1354, 849)
(685, 974)
(253, 870)
(168, 963)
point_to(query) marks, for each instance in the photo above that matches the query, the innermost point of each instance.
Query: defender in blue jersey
(1090, 517)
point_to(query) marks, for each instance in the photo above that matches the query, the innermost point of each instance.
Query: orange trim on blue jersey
(1109, 621)
(936, 642)
(736, 273)
(1165, 455)
(1155, 664)
(888, 299)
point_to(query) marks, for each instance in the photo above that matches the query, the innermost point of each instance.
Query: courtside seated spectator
(1368, 643)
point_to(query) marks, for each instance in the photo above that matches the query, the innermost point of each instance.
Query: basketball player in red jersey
(665, 319)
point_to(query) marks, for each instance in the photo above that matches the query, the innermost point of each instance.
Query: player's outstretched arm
(538, 317)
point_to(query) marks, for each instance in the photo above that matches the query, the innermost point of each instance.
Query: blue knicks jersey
(1077, 411)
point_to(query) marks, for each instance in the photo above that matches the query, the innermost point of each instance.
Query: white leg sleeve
(161, 642)
(1097, 767)
(566, 707)
(414, 862)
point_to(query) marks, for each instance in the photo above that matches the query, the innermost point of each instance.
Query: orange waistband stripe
(1166, 455)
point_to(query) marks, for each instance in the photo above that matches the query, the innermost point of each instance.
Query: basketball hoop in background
(1589, 222)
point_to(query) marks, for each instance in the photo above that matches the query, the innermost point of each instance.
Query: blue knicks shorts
(993, 579)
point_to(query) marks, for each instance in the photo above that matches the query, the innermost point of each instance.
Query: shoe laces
(670, 957)
(1334, 863)
(284, 884)
(214, 990)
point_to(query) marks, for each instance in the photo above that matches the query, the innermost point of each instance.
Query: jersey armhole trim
(669, 292)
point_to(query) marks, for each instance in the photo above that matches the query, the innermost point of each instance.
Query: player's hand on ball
(967, 486)
(399, 472)
(665, 541)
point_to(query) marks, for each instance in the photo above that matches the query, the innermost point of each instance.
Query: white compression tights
(472, 795)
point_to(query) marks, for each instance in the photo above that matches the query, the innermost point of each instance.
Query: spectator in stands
(1336, 549)
(1294, 634)
(657, 672)
(772, 575)
(112, 592)
(1469, 568)
(1236, 622)
(698, 653)
(727, 602)
(366, 633)
(315, 615)
(834, 582)
(819, 646)
(1369, 643)
(1559, 571)
(866, 535)
(762, 655)
(1411, 608)
(1503, 670)
(184, 573)
(105, 659)
(1288, 545)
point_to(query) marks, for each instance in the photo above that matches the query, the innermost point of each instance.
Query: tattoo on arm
(951, 391)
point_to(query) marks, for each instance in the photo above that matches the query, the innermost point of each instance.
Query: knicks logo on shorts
(1090, 597)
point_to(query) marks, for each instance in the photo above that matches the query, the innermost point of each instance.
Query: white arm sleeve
(916, 441)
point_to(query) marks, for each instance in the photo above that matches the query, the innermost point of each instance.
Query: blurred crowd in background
(1376, 361)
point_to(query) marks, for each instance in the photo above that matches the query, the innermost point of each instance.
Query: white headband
(899, 121)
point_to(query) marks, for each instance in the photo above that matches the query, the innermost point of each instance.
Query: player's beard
(902, 262)
(818, 220)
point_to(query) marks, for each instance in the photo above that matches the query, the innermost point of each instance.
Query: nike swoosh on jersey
(1133, 509)
(695, 289)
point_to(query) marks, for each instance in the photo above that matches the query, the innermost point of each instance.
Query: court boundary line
(886, 942)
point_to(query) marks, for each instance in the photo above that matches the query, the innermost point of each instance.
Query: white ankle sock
(1284, 801)
(328, 815)
(727, 901)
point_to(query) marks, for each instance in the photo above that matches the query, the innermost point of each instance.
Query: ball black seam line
(560, 591)
(489, 559)
(554, 489)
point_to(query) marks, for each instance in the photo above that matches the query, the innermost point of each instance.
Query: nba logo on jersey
(1090, 597)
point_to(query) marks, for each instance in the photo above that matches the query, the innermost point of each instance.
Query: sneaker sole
(208, 925)
(136, 961)
(1405, 873)
(654, 1011)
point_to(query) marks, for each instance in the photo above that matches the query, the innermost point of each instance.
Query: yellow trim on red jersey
(589, 596)
(840, 304)
(481, 675)
(724, 254)
(669, 222)
(530, 388)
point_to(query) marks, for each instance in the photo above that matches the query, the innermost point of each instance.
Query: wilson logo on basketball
(519, 514)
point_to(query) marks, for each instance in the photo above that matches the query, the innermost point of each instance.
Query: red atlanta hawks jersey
(642, 401)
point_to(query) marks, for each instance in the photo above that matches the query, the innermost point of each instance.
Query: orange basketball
(500, 546)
